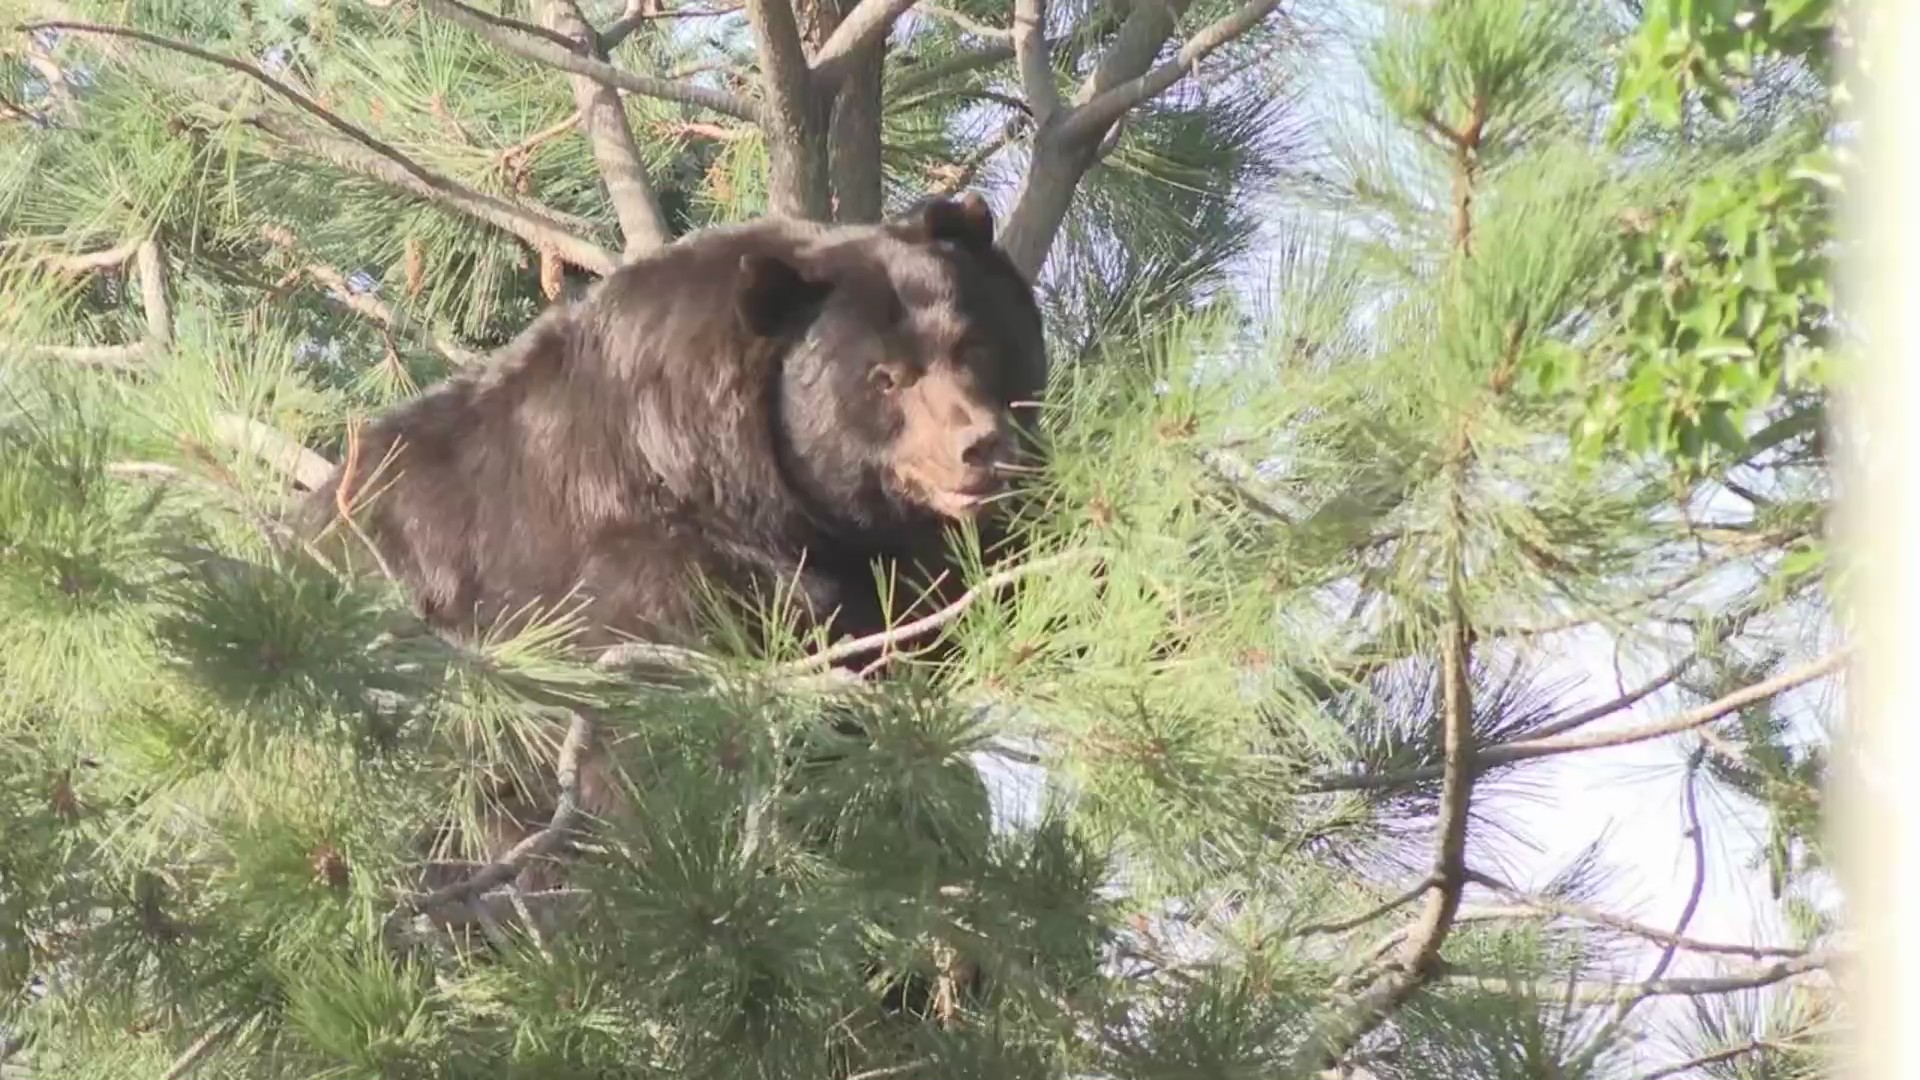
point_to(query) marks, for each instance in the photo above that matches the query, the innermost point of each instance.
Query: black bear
(763, 407)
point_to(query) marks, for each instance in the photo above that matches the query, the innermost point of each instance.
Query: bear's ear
(966, 221)
(772, 294)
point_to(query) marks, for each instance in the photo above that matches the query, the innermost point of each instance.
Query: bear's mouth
(964, 501)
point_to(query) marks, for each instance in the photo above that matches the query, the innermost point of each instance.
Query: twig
(635, 17)
(890, 1070)
(1543, 905)
(1528, 749)
(1344, 925)
(379, 311)
(970, 24)
(87, 262)
(1701, 986)
(927, 624)
(534, 227)
(1697, 839)
(545, 51)
(1716, 1057)
(191, 1058)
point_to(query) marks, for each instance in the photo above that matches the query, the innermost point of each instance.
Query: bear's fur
(769, 407)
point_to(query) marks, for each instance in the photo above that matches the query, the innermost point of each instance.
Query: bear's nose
(983, 447)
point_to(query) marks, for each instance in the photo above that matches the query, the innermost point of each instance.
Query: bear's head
(910, 358)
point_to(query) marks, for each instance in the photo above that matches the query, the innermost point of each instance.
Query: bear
(769, 408)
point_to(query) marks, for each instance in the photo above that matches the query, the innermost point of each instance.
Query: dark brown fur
(763, 406)
(711, 411)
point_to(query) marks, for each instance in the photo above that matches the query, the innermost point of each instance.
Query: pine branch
(970, 24)
(604, 119)
(1652, 686)
(1528, 749)
(636, 16)
(1526, 904)
(540, 229)
(867, 24)
(1091, 119)
(393, 166)
(543, 50)
(1417, 958)
(200, 1049)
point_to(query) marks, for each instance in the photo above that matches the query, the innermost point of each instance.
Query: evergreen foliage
(1222, 785)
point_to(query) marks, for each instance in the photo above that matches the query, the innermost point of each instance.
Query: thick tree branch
(1035, 58)
(1528, 749)
(866, 26)
(89, 261)
(546, 51)
(1091, 119)
(603, 117)
(795, 117)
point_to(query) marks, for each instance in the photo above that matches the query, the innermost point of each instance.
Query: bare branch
(277, 449)
(105, 357)
(1090, 120)
(379, 311)
(152, 271)
(1539, 905)
(1036, 59)
(199, 1050)
(394, 166)
(1528, 749)
(546, 51)
(87, 262)
(602, 116)
(1700, 986)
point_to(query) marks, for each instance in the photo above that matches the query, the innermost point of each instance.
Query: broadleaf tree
(1221, 775)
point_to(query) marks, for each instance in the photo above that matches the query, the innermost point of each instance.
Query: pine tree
(1218, 779)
